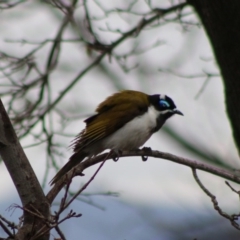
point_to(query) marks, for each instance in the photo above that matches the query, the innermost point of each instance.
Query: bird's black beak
(177, 112)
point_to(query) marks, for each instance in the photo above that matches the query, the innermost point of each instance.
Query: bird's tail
(73, 161)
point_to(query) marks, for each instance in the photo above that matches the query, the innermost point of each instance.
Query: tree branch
(22, 174)
(232, 218)
(141, 153)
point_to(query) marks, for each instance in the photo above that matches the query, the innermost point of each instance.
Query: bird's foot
(147, 150)
(115, 154)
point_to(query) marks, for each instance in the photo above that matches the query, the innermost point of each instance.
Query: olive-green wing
(113, 113)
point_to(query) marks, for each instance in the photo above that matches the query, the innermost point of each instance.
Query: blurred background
(44, 61)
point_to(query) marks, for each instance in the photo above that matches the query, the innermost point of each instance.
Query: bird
(124, 121)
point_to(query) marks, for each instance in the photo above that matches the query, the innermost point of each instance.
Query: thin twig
(232, 218)
(234, 190)
(105, 50)
(87, 183)
(58, 230)
(6, 230)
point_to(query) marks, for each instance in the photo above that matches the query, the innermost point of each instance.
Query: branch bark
(221, 21)
(141, 153)
(22, 174)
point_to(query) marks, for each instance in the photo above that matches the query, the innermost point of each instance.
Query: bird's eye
(164, 104)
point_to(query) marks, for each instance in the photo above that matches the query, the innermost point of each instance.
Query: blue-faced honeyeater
(124, 121)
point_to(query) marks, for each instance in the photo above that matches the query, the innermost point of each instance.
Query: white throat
(134, 133)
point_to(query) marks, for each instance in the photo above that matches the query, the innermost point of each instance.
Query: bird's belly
(131, 136)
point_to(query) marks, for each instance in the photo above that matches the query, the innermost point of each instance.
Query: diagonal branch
(22, 174)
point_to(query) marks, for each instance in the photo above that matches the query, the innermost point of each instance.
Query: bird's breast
(134, 133)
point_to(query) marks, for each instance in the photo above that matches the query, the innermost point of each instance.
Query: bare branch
(58, 230)
(105, 50)
(231, 218)
(228, 184)
(142, 153)
(5, 228)
(6, 5)
(20, 170)
(11, 225)
(204, 74)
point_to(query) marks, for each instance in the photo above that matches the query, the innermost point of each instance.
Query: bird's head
(165, 107)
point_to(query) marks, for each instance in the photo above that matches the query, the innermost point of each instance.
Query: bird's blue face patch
(164, 104)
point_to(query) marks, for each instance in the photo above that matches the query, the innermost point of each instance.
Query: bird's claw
(148, 150)
(115, 153)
